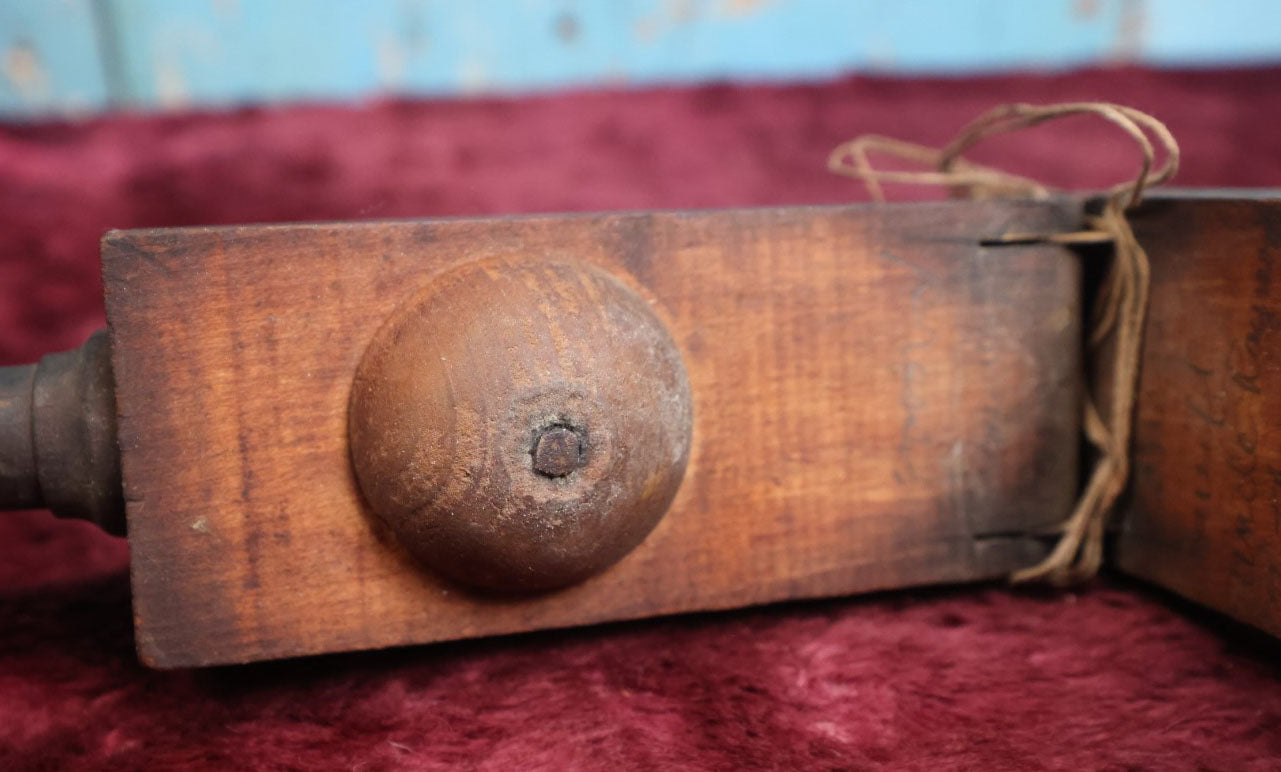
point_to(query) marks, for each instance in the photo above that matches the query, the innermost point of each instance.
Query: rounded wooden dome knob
(521, 425)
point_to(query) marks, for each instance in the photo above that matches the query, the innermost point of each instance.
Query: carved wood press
(347, 436)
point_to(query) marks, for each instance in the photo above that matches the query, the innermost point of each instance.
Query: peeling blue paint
(70, 55)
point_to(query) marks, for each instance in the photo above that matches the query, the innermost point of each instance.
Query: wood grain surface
(1205, 515)
(521, 425)
(878, 402)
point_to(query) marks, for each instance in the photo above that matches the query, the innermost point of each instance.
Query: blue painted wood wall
(69, 56)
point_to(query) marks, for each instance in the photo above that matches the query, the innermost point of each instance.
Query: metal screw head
(558, 450)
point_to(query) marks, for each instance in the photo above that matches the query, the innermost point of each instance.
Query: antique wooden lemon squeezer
(327, 437)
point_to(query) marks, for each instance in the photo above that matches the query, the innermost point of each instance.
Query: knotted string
(1119, 313)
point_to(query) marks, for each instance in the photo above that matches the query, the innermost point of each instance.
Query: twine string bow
(1121, 307)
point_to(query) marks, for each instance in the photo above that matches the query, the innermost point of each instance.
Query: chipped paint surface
(49, 58)
(57, 55)
(22, 71)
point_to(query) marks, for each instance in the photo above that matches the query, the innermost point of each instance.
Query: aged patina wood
(1204, 519)
(521, 425)
(879, 401)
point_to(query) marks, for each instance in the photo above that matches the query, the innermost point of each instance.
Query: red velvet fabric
(1111, 677)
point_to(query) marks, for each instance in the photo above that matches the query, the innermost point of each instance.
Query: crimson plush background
(1111, 677)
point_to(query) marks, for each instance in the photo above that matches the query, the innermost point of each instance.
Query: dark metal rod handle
(58, 445)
